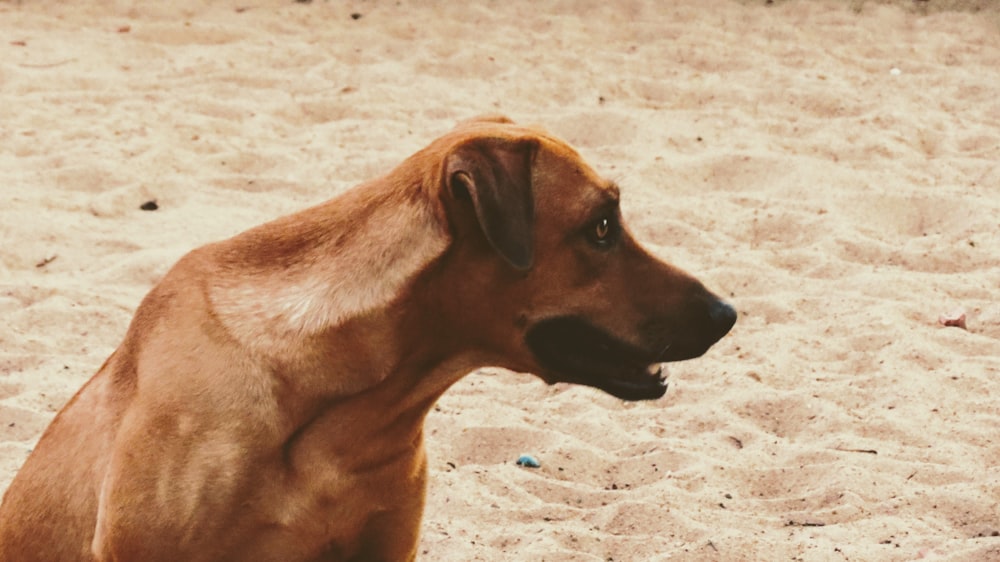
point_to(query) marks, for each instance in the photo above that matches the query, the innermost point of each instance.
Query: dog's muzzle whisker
(664, 350)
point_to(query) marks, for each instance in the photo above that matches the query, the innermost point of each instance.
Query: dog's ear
(496, 175)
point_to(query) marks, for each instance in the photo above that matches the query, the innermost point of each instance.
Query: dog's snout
(723, 317)
(701, 323)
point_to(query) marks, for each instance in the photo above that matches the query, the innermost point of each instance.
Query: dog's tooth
(655, 370)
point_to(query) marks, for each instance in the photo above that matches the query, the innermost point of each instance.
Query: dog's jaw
(570, 349)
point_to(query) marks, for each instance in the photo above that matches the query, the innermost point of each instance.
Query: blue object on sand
(528, 461)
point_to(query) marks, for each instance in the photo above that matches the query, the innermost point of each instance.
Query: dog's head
(540, 250)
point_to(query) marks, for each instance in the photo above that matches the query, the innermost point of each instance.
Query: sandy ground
(832, 167)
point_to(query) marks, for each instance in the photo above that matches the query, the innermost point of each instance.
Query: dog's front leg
(391, 536)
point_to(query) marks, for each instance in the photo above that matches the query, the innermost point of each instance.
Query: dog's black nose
(723, 317)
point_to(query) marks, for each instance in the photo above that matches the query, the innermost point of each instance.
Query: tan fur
(332, 281)
(267, 402)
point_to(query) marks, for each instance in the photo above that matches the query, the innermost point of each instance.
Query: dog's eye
(602, 233)
(601, 230)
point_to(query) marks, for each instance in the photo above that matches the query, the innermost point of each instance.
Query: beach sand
(832, 168)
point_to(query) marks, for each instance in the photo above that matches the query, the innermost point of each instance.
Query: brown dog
(268, 401)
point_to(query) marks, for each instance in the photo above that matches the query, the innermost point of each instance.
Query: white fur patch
(330, 285)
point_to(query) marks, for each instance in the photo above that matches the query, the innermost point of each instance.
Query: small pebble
(955, 319)
(528, 461)
(149, 206)
(895, 71)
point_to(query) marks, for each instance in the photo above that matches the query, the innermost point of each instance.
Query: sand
(832, 167)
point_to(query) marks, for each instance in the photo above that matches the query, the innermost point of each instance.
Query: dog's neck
(381, 425)
(300, 276)
(332, 300)
(393, 387)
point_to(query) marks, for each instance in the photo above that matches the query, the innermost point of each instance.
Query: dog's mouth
(579, 352)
